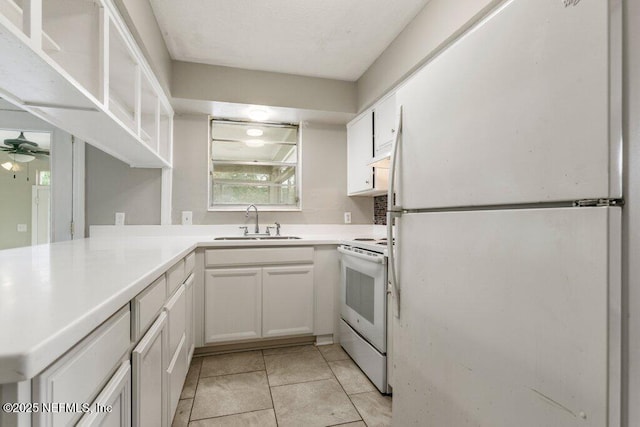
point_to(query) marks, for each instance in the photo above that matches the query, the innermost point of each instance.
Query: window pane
(253, 163)
(240, 151)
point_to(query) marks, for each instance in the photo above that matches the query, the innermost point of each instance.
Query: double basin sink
(258, 238)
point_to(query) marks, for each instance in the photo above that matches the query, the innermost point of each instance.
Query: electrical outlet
(119, 218)
(347, 217)
(187, 218)
(22, 228)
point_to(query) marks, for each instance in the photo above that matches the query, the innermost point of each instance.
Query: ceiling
(336, 39)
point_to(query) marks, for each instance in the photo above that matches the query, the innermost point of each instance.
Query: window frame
(211, 207)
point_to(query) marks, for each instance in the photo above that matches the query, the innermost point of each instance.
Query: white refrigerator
(507, 181)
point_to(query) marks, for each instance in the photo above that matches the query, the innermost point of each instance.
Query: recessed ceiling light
(258, 115)
(254, 143)
(254, 132)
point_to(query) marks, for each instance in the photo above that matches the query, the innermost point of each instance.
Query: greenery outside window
(254, 163)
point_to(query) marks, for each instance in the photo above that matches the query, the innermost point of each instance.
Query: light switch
(187, 218)
(22, 228)
(119, 218)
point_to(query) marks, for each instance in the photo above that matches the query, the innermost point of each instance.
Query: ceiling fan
(22, 150)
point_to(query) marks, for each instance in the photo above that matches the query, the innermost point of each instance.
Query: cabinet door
(233, 304)
(359, 153)
(116, 396)
(384, 125)
(150, 361)
(176, 309)
(287, 301)
(190, 332)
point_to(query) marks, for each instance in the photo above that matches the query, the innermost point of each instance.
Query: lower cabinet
(233, 304)
(82, 373)
(150, 362)
(191, 320)
(287, 301)
(245, 303)
(113, 406)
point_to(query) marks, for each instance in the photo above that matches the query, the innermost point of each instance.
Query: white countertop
(52, 296)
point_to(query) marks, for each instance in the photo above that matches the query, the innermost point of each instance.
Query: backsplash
(380, 210)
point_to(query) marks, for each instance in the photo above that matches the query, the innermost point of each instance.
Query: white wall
(439, 22)
(324, 178)
(112, 186)
(227, 84)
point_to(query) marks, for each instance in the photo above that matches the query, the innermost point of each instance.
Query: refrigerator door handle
(394, 211)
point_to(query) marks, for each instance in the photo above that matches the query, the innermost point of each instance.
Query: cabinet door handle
(393, 131)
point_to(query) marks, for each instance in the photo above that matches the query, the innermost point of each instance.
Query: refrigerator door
(524, 108)
(509, 318)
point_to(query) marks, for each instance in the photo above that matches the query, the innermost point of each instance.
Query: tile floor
(293, 386)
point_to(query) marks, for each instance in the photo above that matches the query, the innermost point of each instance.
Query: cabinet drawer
(175, 277)
(176, 373)
(146, 305)
(176, 309)
(80, 374)
(258, 256)
(117, 396)
(150, 361)
(189, 264)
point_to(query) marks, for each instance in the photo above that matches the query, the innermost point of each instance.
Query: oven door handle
(377, 259)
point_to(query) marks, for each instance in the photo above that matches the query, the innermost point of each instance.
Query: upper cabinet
(75, 64)
(385, 122)
(369, 139)
(359, 151)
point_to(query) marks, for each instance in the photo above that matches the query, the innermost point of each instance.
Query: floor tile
(183, 411)
(231, 394)
(287, 350)
(356, 424)
(352, 379)
(232, 363)
(264, 418)
(316, 403)
(333, 352)
(189, 389)
(297, 367)
(374, 408)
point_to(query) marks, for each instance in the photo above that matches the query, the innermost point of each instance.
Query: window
(254, 163)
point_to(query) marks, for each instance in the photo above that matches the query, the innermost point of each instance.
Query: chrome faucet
(257, 230)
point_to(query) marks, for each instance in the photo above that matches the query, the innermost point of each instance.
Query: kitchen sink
(258, 238)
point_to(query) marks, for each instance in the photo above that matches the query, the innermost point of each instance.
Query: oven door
(363, 296)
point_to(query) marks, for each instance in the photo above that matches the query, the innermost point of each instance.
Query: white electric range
(363, 306)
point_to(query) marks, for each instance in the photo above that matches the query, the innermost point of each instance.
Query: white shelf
(77, 66)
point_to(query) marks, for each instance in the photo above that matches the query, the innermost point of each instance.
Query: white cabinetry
(273, 297)
(359, 152)
(76, 65)
(190, 332)
(287, 301)
(362, 178)
(113, 406)
(385, 122)
(149, 384)
(80, 375)
(233, 304)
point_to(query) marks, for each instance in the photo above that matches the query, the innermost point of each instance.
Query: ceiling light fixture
(255, 132)
(254, 143)
(22, 158)
(258, 115)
